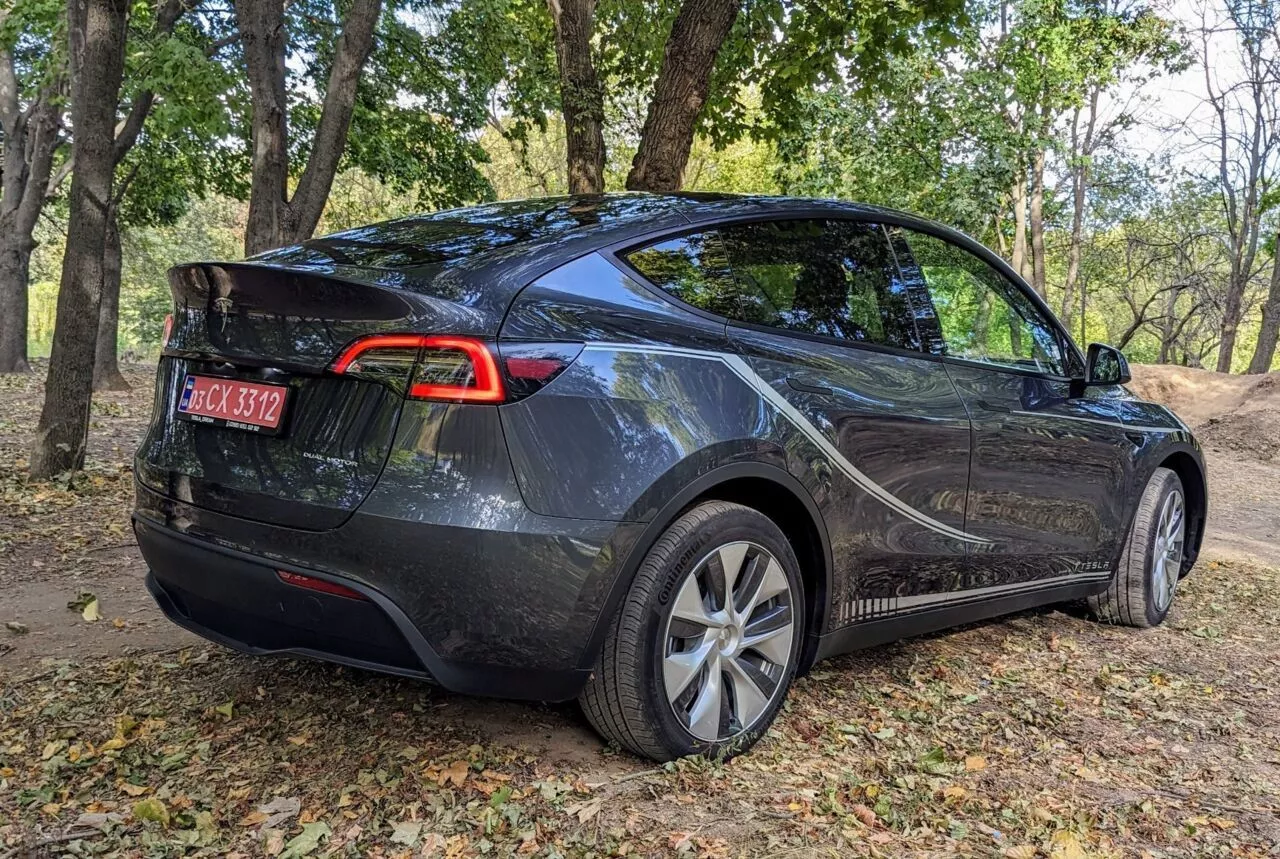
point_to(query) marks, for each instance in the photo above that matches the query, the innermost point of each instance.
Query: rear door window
(828, 277)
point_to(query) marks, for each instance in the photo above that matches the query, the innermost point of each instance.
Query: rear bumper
(237, 599)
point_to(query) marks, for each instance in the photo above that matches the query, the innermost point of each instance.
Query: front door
(1049, 470)
(828, 328)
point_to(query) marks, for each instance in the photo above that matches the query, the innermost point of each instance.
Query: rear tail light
(455, 369)
(167, 331)
(324, 586)
(426, 366)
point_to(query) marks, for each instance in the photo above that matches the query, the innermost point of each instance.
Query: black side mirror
(1105, 366)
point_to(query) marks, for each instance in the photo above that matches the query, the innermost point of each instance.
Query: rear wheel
(703, 650)
(1142, 589)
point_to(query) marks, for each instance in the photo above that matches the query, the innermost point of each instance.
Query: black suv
(659, 453)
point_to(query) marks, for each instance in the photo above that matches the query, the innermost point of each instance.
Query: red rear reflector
(534, 369)
(447, 368)
(168, 329)
(322, 585)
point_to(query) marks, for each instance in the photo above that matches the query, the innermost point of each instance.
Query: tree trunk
(699, 30)
(96, 32)
(106, 365)
(1082, 152)
(1267, 336)
(30, 139)
(262, 37)
(1231, 312)
(1166, 327)
(1079, 182)
(354, 46)
(1018, 198)
(1038, 277)
(581, 94)
(15, 264)
(274, 219)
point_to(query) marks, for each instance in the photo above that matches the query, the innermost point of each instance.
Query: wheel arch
(768, 489)
(1190, 471)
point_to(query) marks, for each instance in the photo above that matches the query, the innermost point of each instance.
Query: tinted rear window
(829, 277)
(457, 233)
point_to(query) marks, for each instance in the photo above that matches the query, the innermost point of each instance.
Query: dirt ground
(1039, 734)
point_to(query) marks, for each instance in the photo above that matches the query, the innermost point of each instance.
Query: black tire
(626, 699)
(1132, 597)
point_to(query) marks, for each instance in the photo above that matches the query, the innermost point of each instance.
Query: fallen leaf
(1065, 845)
(864, 814)
(306, 841)
(406, 832)
(954, 791)
(273, 841)
(99, 820)
(16, 627)
(81, 602)
(227, 709)
(1021, 851)
(151, 809)
(676, 840)
(712, 848)
(586, 810)
(456, 773)
(975, 762)
(279, 810)
(90, 611)
(134, 789)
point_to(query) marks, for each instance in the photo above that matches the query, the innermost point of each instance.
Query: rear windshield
(443, 236)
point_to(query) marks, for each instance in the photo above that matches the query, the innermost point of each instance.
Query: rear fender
(681, 495)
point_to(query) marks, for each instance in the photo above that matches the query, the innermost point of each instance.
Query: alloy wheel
(1166, 562)
(728, 641)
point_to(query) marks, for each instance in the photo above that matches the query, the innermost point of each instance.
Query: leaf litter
(1042, 734)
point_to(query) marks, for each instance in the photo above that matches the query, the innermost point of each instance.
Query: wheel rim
(1166, 564)
(728, 640)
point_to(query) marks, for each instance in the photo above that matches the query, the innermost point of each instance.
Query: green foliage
(777, 50)
(182, 150)
(34, 31)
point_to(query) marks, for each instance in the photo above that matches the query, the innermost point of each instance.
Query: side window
(983, 316)
(829, 277)
(693, 269)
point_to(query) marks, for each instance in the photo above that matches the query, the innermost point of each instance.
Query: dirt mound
(1239, 414)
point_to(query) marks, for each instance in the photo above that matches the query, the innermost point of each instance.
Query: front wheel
(1141, 591)
(703, 650)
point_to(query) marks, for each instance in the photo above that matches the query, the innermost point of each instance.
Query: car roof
(565, 226)
(481, 256)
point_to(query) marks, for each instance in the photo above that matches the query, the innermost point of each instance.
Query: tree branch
(352, 52)
(128, 131)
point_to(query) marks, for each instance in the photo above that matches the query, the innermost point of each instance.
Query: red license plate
(250, 406)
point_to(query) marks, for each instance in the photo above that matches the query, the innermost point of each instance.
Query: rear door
(828, 325)
(1049, 470)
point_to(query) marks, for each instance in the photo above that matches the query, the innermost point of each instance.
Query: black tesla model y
(656, 453)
